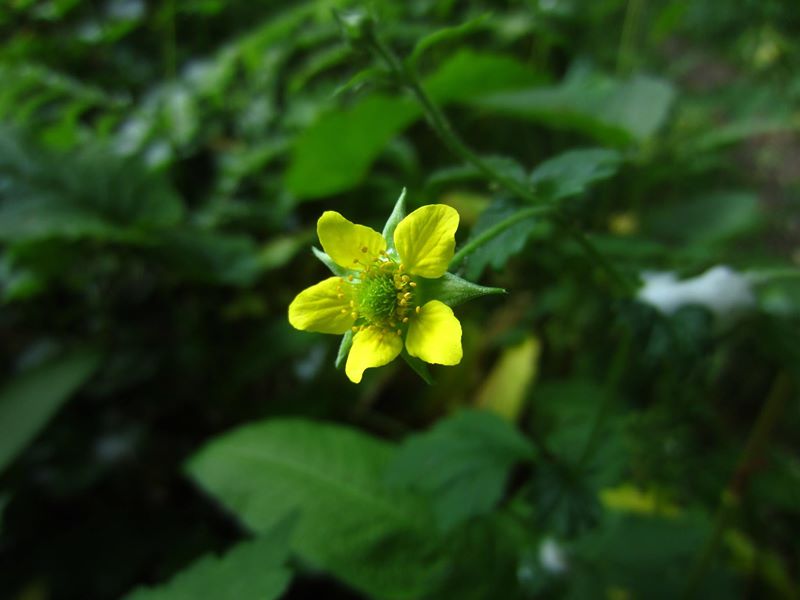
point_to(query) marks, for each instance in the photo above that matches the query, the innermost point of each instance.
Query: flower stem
(732, 495)
(408, 77)
(494, 231)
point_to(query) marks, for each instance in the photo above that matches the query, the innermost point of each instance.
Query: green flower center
(385, 296)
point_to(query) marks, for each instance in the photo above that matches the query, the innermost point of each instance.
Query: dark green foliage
(164, 431)
(462, 464)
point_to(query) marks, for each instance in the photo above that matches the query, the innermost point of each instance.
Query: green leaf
(349, 524)
(705, 219)
(398, 214)
(611, 111)
(211, 257)
(573, 172)
(631, 552)
(252, 569)
(90, 194)
(462, 464)
(497, 251)
(336, 151)
(453, 290)
(344, 349)
(30, 400)
(446, 34)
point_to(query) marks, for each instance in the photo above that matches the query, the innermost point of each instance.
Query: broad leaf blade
(29, 401)
(461, 464)
(349, 525)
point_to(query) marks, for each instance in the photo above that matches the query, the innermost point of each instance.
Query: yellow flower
(380, 293)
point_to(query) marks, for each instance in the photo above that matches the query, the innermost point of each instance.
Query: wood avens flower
(384, 295)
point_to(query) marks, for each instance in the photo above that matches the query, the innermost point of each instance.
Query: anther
(350, 278)
(354, 329)
(417, 309)
(407, 296)
(353, 314)
(405, 278)
(405, 319)
(404, 302)
(413, 284)
(399, 332)
(344, 311)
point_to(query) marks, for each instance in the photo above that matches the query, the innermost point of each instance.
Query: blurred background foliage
(166, 434)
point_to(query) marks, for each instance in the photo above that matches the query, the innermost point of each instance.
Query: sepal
(398, 214)
(328, 262)
(344, 349)
(453, 290)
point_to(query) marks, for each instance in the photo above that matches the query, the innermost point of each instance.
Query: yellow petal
(372, 347)
(434, 335)
(349, 245)
(320, 307)
(426, 240)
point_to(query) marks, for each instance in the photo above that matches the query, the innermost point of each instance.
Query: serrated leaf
(398, 214)
(453, 290)
(361, 132)
(30, 400)
(497, 251)
(252, 569)
(611, 111)
(349, 525)
(462, 464)
(572, 173)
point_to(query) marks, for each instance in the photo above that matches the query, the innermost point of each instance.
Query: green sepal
(344, 349)
(419, 366)
(453, 290)
(328, 262)
(398, 214)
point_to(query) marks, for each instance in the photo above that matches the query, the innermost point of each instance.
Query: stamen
(413, 284)
(399, 332)
(405, 319)
(417, 309)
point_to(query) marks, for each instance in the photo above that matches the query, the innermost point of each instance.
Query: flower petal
(434, 335)
(372, 347)
(319, 308)
(349, 245)
(425, 240)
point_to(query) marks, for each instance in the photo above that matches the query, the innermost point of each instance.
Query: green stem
(732, 495)
(494, 231)
(438, 121)
(625, 53)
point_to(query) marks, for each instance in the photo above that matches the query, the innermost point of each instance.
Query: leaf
(31, 399)
(572, 173)
(705, 219)
(462, 464)
(211, 257)
(497, 251)
(469, 172)
(90, 194)
(505, 389)
(631, 552)
(446, 34)
(453, 290)
(336, 151)
(349, 525)
(252, 569)
(611, 111)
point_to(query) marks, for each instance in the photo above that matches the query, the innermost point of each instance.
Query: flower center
(384, 295)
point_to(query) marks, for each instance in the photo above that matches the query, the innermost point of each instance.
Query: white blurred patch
(552, 557)
(723, 291)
